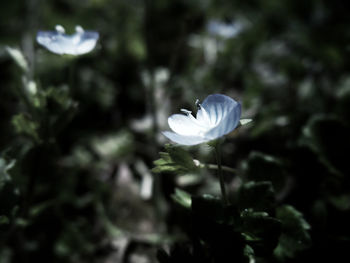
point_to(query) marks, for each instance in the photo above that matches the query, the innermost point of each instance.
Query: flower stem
(215, 167)
(71, 78)
(221, 177)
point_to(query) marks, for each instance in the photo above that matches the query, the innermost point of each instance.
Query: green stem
(71, 78)
(221, 177)
(215, 167)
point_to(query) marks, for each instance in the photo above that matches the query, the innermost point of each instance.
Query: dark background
(75, 154)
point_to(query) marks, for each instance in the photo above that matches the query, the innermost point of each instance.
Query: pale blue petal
(227, 124)
(51, 40)
(184, 140)
(216, 106)
(87, 42)
(185, 125)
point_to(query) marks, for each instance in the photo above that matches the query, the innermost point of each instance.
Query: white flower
(217, 115)
(58, 42)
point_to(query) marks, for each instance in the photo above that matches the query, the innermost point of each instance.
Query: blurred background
(79, 135)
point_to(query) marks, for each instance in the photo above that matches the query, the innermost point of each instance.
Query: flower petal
(217, 106)
(51, 40)
(185, 125)
(183, 139)
(227, 124)
(87, 42)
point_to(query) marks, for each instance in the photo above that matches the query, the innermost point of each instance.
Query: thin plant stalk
(221, 176)
(71, 78)
(215, 167)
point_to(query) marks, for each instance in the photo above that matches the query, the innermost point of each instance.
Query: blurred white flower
(58, 42)
(224, 30)
(217, 115)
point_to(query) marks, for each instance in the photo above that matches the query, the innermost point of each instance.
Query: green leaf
(258, 196)
(340, 201)
(180, 157)
(60, 95)
(260, 231)
(36, 210)
(214, 229)
(183, 198)
(243, 122)
(295, 233)
(189, 179)
(175, 160)
(249, 253)
(262, 167)
(4, 220)
(4, 168)
(209, 206)
(25, 126)
(9, 194)
(329, 138)
(113, 146)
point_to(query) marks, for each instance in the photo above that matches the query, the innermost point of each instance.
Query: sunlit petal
(227, 124)
(184, 125)
(218, 106)
(183, 139)
(87, 42)
(51, 40)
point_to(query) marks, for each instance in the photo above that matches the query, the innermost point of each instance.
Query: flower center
(202, 115)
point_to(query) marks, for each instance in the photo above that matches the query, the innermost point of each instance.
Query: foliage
(81, 176)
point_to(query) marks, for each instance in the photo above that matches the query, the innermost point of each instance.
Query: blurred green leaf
(329, 138)
(25, 126)
(4, 220)
(60, 95)
(340, 201)
(260, 231)
(243, 122)
(39, 208)
(9, 195)
(180, 157)
(175, 160)
(262, 167)
(295, 235)
(182, 198)
(214, 227)
(115, 145)
(209, 206)
(189, 180)
(4, 168)
(258, 196)
(249, 253)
